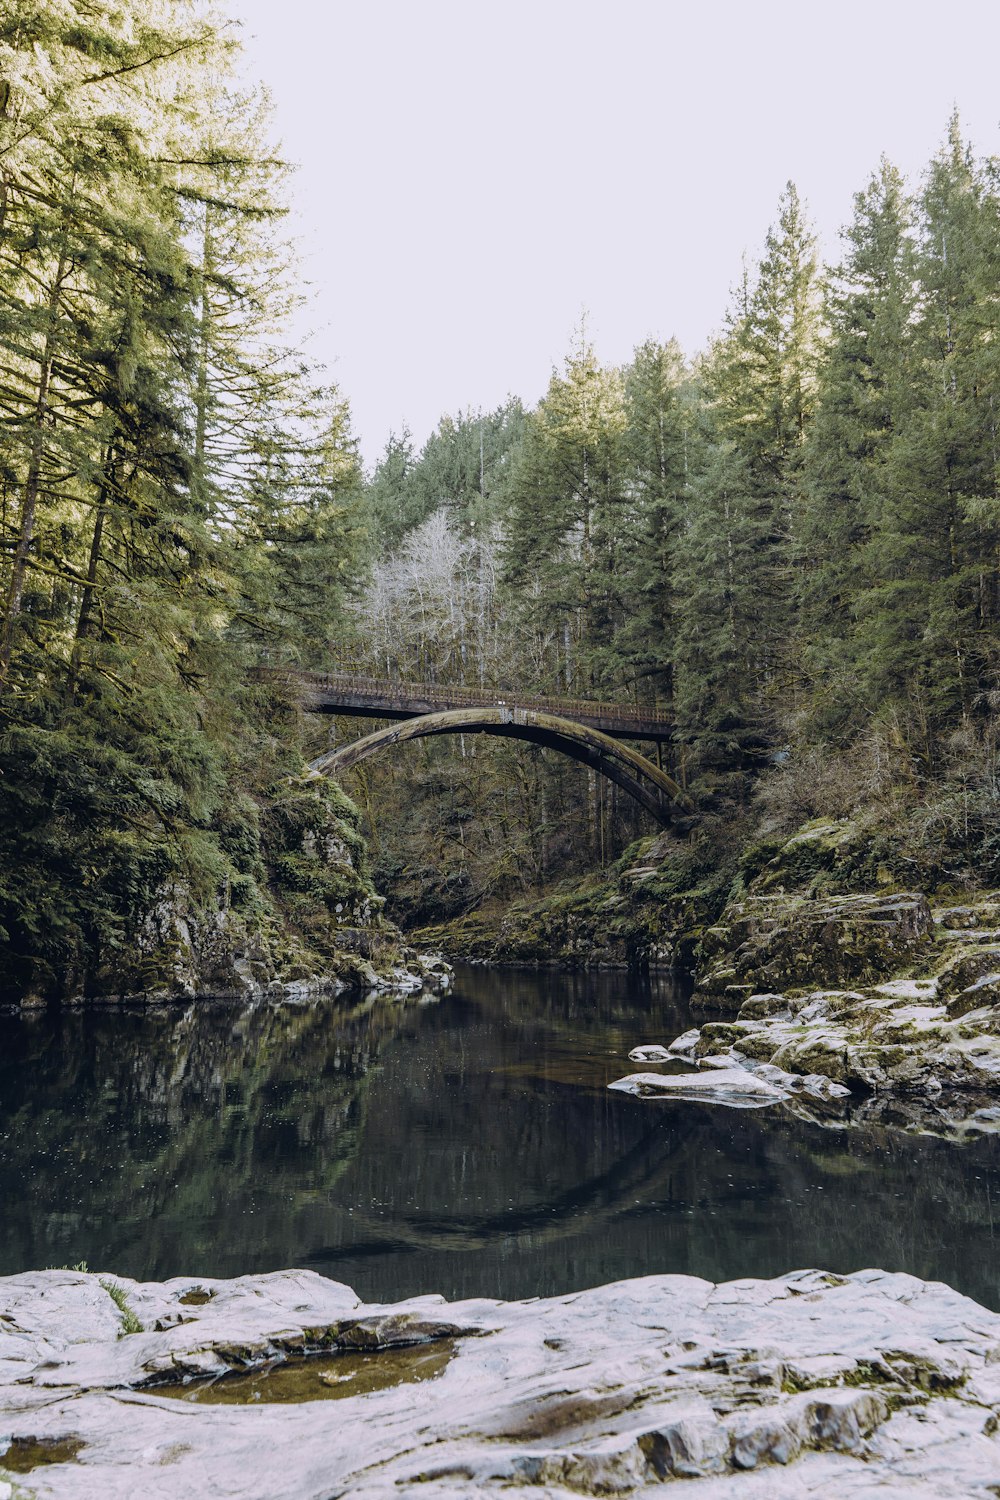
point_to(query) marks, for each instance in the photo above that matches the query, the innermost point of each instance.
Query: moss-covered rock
(970, 969)
(897, 1038)
(639, 915)
(791, 942)
(817, 1050)
(298, 915)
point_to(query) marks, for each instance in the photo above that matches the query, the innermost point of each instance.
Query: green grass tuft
(119, 1296)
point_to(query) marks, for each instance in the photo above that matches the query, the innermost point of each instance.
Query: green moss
(637, 850)
(756, 857)
(868, 1373)
(792, 1385)
(608, 918)
(23, 1455)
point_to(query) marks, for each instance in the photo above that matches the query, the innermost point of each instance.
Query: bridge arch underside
(636, 775)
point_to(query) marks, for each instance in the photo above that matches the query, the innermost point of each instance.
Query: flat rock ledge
(808, 1385)
(416, 974)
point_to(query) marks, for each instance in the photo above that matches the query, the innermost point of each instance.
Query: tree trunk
(201, 381)
(15, 592)
(84, 623)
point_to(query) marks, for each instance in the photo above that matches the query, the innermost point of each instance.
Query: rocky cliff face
(796, 941)
(809, 1384)
(301, 918)
(182, 951)
(882, 998)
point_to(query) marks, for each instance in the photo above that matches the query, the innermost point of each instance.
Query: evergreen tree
(929, 610)
(172, 492)
(569, 496)
(388, 493)
(464, 465)
(865, 397)
(758, 391)
(657, 444)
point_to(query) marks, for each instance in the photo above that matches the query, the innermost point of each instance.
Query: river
(467, 1146)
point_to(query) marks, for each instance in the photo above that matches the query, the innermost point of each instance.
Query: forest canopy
(178, 488)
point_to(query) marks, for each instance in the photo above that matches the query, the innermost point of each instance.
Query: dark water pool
(468, 1147)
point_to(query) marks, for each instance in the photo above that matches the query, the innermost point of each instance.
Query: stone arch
(653, 788)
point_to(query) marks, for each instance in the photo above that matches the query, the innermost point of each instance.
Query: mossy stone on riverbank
(790, 942)
(640, 914)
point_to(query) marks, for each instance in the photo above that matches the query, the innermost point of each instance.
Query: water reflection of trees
(518, 1182)
(470, 1147)
(150, 1139)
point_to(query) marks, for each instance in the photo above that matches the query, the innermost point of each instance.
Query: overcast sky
(473, 174)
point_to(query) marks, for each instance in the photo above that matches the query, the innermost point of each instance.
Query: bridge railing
(399, 693)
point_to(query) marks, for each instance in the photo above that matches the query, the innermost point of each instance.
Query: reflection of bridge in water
(585, 731)
(645, 1172)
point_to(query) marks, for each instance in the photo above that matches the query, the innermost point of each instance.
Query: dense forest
(791, 541)
(180, 497)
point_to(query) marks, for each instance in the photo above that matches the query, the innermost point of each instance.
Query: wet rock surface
(807, 1384)
(728, 1079)
(726, 1084)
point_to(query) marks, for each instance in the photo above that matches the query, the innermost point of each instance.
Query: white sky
(474, 173)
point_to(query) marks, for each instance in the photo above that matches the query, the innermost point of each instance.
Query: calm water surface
(468, 1147)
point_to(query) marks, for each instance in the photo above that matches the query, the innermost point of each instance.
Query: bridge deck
(376, 698)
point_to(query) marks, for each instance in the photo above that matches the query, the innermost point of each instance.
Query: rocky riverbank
(807, 1384)
(828, 905)
(844, 996)
(641, 914)
(876, 1005)
(380, 963)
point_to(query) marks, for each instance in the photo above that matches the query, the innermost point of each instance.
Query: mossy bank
(292, 909)
(669, 903)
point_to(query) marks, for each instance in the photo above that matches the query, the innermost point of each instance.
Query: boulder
(965, 969)
(898, 1038)
(818, 1051)
(684, 1045)
(718, 1085)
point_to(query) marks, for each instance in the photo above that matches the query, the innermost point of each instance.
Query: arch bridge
(585, 731)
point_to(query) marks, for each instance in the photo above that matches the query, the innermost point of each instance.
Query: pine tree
(865, 397)
(174, 485)
(758, 393)
(569, 498)
(929, 611)
(657, 441)
(84, 207)
(388, 493)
